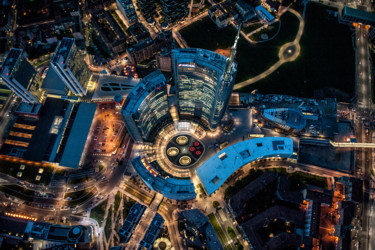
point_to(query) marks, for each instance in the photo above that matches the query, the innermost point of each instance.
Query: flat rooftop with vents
(216, 170)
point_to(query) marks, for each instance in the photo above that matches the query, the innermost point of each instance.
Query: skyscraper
(174, 10)
(204, 82)
(21, 77)
(146, 109)
(68, 64)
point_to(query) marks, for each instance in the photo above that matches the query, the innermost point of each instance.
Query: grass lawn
(202, 190)
(215, 224)
(251, 27)
(325, 66)
(138, 194)
(79, 197)
(252, 59)
(12, 167)
(108, 224)
(78, 194)
(97, 213)
(127, 206)
(18, 192)
(231, 233)
(270, 31)
(79, 180)
(117, 200)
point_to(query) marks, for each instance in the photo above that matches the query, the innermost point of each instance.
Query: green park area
(79, 197)
(219, 231)
(18, 192)
(324, 68)
(252, 59)
(97, 213)
(26, 171)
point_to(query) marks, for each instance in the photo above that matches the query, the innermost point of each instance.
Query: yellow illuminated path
(282, 52)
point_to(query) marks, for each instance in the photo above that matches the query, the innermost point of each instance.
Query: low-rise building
(147, 48)
(172, 188)
(217, 169)
(264, 15)
(288, 119)
(152, 232)
(139, 32)
(15, 229)
(198, 233)
(131, 222)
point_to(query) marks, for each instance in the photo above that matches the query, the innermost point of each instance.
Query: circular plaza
(184, 150)
(179, 151)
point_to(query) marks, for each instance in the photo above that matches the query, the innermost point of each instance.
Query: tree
(215, 204)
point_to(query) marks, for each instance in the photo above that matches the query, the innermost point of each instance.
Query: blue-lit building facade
(146, 109)
(202, 93)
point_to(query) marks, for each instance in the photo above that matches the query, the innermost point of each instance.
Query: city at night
(187, 124)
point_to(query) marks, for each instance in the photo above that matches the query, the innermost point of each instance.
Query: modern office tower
(128, 11)
(204, 82)
(146, 109)
(21, 77)
(147, 8)
(68, 64)
(174, 10)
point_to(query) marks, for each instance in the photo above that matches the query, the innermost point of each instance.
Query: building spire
(229, 66)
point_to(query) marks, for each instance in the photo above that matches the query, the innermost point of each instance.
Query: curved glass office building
(145, 109)
(203, 91)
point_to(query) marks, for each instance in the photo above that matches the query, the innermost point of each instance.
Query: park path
(282, 58)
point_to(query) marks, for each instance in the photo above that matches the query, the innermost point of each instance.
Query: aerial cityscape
(187, 124)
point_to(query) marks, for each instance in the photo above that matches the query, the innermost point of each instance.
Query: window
(245, 154)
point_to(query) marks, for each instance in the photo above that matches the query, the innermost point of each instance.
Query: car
(228, 126)
(223, 145)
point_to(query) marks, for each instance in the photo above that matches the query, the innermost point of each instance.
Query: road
(363, 69)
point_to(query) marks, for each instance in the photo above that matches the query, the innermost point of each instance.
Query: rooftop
(223, 164)
(172, 188)
(77, 139)
(360, 14)
(63, 50)
(286, 116)
(11, 60)
(141, 90)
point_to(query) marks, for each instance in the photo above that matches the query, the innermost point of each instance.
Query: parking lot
(108, 130)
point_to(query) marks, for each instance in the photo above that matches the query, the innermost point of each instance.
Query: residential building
(152, 232)
(174, 10)
(131, 222)
(147, 48)
(147, 8)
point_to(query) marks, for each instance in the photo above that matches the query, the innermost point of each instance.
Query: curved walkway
(283, 55)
